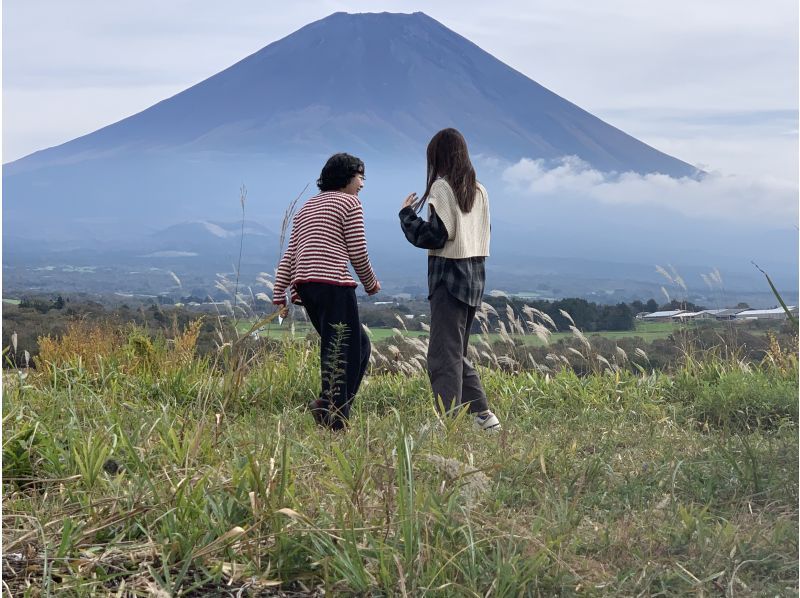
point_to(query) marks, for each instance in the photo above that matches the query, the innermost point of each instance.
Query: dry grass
(157, 472)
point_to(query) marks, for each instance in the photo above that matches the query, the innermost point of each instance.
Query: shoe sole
(483, 426)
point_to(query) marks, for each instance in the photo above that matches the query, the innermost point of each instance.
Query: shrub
(746, 401)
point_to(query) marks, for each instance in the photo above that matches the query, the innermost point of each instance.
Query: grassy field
(648, 331)
(299, 330)
(133, 467)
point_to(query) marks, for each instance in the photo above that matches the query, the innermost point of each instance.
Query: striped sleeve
(283, 275)
(356, 241)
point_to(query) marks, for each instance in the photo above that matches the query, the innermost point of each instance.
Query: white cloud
(766, 200)
(753, 143)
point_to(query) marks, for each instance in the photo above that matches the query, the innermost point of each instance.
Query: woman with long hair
(456, 236)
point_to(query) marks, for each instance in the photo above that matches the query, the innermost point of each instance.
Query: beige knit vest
(468, 234)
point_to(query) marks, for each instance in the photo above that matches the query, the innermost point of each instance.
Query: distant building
(662, 316)
(735, 313)
(728, 314)
(776, 313)
(709, 314)
(705, 314)
(687, 315)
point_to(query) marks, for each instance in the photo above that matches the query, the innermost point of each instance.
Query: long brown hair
(448, 158)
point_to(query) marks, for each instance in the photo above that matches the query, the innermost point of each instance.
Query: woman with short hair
(327, 234)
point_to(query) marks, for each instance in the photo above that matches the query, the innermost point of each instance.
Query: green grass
(12, 301)
(302, 329)
(648, 331)
(166, 475)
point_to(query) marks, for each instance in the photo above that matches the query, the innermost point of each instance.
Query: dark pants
(453, 379)
(344, 345)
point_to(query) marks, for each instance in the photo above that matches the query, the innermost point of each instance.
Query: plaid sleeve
(422, 234)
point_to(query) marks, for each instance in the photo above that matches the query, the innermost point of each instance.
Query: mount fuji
(374, 85)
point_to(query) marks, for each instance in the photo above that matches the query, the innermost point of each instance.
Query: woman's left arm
(356, 242)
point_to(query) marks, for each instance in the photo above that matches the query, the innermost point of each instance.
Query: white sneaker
(487, 421)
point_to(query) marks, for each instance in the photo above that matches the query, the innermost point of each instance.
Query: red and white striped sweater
(327, 233)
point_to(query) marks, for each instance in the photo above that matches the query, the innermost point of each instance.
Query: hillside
(132, 465)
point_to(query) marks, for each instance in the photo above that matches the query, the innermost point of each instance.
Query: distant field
(301, 329)
(648, 331)
(12, 301)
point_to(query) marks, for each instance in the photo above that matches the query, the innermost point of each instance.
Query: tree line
(589, 316)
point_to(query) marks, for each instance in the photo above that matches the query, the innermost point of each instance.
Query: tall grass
(143, 468)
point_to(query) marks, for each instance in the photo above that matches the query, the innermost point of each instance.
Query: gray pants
(453, 379)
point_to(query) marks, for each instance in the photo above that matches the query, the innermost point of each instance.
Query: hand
(410, 201)
(284, 310)
(376, 289)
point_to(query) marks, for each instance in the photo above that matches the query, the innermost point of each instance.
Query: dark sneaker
(487, 421)
(337, 421)
(319, 411)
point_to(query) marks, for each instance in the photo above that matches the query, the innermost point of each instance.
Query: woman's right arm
(425, 235)
(283, 275)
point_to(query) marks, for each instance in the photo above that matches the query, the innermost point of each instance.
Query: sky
(714, 83)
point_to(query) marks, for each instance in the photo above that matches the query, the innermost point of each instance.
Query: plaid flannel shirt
(464, 278)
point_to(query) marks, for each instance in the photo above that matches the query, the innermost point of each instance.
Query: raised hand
(410, 201)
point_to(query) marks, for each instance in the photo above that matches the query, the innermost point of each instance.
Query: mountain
(203, 237)
(380, 82)
(375, 85)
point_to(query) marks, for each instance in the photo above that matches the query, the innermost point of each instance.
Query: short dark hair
(338, 171)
